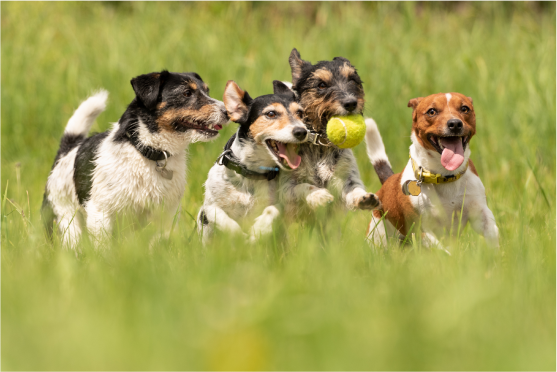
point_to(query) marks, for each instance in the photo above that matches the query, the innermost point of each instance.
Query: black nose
(455, 125)
(299, 133)
(350, 105)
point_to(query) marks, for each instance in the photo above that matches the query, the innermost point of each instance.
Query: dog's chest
(318, 165)
(129, 180)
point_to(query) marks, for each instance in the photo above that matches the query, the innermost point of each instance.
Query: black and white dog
(244, 177)
(325, 89)
(139, 163)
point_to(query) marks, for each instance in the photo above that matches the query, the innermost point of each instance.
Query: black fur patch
(203, 218)
(83, 167)
(67, 144)
(383, 170)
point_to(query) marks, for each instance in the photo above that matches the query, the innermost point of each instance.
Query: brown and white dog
(442, 126)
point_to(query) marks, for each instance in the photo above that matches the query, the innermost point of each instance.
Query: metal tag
(165, 173)
(411, 188)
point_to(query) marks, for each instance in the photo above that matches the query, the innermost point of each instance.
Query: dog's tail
(376, 151)
(83, 118)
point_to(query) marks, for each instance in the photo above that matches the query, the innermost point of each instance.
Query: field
(312, 296)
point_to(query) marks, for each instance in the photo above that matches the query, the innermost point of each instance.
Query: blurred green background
(308, 297)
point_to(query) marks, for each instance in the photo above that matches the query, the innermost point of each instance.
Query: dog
(245, 174)
(139, 163)
(439, 180)
(325, 89)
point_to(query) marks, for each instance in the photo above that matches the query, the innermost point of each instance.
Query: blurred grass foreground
(312, 296)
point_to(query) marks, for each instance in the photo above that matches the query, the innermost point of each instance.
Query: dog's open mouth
(451, 149)
(286, 153)
(209, 130)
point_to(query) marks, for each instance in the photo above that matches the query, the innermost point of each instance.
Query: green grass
(306, 298)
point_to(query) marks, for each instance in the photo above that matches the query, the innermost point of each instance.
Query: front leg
(211, 217)
(483, 222)
(314, 196)
(264, 224)
(353, 190)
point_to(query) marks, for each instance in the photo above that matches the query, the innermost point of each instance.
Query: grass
(308, 297)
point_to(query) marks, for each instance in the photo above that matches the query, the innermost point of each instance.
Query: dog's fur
(438, 206)
(325, 89)
(105, 173)
(264, 121)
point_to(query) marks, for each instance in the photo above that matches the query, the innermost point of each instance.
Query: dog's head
(444, 123)
(178, 103)
(272, 121)
(326, 89)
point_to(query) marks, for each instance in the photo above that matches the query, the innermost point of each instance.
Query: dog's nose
(455, 125)
(299, 133)
(350, 105)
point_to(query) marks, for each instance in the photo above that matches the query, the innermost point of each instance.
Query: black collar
(230, 161)
(149, 152)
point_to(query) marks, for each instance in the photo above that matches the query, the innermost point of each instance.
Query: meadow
(309, 296)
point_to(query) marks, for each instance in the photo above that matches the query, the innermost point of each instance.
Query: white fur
(374, 143)
(85, 115)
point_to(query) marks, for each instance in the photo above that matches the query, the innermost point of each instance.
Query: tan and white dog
(439, 181)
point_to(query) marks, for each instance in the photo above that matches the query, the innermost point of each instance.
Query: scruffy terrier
(243, 181)
(139, 163)
(325, 89)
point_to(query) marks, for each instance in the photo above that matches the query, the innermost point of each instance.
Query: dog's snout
(455, 125)
(299, 133)
(350, 104)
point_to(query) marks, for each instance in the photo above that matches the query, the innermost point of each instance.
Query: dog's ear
(296, 64)
(342, 59)
(414, 102)
(471, 100)
(236, 102)
(280, 88)
(147, 88)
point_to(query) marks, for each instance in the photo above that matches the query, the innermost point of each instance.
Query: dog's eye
(322, 85)
(432, 112)
(465, 109)
(188, 93)
(271, 114)
(300, 113)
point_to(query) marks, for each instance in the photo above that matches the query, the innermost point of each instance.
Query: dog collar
(318, 139)
(426, 176)
(148, 152)
(231, 161)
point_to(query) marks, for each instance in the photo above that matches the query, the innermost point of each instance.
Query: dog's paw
(318, 198)
(264, 224)
(368, 201)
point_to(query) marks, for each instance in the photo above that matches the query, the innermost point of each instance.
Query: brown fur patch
(263, 125)
(193, 85)
(294, 108)
(169, 117)
(472, 167)
(401, 213)
(161, 105)
(323, 74)
(346, 70)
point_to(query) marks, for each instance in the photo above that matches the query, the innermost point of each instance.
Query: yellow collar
(428, 177)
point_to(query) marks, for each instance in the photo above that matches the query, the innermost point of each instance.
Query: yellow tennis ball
(346, 131)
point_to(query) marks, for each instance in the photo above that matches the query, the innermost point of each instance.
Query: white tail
(376, 151)
(85, 115)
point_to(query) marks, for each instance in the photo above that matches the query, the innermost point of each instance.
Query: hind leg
(68, 224)
(99, 224)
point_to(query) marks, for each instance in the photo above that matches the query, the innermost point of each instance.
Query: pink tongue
(288, 152)
(218, 127)
(453, 153)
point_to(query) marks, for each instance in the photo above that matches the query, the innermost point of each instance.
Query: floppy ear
(296, 64)
(280, 88)
(147, 88)
(414, 102)
(236, 102)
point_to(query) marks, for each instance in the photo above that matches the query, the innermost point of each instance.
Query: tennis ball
(346, 131)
